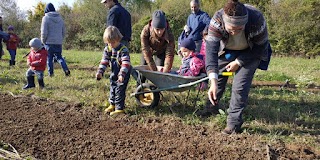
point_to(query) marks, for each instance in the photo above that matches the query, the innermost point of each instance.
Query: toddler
(192, 63)
(116, 56)
(12, 45)
(37, 60)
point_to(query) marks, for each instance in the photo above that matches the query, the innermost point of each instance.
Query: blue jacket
(256, 34)
(120, 18)
(197, 22)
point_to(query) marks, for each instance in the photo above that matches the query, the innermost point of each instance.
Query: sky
(30, 4)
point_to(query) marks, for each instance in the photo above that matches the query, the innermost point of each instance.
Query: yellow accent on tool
(227, 73)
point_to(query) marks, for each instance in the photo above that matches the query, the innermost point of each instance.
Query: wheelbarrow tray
(169, 81)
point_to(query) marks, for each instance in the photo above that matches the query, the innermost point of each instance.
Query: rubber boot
(13, 62)
(10, 63)
(41, 83)
(30, 82)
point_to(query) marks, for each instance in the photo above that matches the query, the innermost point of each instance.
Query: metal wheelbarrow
(148, 94)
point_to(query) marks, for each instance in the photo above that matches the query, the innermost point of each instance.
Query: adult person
(157, 41)
(196, 23)
(120, 18)
(1, 38)
(240, 31)
(52, 35)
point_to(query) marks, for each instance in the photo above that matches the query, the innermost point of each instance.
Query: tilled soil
(46, 129)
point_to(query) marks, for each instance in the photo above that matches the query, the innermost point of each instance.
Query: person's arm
(44, 30)
(212, 48)
(145, 47)
(112, 18)
(105, 61)
(169, 53)
(259, 38)
(125, 63)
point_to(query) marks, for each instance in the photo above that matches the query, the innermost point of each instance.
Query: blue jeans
(55, 51)
(12, 53)
(31, 72)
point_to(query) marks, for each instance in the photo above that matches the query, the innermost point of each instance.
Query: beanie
(49, 8)
(158, 19)
(188, 43)
(35, 43)
(11, 28)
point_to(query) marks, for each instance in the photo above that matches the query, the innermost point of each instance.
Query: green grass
(292, 115)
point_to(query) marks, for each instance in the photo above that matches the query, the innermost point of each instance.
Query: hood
(54, 16)
(49, 8)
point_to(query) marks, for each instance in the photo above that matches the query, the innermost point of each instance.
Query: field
(66, 119)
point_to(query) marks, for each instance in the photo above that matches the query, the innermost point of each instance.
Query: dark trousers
(158, 59)
(240, 87)
(118, 90)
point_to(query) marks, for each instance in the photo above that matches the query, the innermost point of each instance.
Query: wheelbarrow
(148, 94)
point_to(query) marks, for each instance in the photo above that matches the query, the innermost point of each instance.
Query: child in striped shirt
(116, 56)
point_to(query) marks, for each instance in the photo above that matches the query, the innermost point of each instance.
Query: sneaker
(110, 109)
(230, 130)
(67, 72)
(117, 113)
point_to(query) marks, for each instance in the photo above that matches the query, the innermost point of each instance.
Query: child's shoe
(110, 108)
(117, 113)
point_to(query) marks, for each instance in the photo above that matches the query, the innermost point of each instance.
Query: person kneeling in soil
(37, 60)
(117, 56)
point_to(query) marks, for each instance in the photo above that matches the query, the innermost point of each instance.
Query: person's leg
(60, 59)
(159, 59)
(239, 96)
(40, 78)
(30, 79)
(50, 59)
(209, 108)
(140, 78)
(12, 53)
(121, 93)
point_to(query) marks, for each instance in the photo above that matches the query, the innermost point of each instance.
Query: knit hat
(158, 19)
(11, 28)
(49, 8)
(35, 43)
(188, 43)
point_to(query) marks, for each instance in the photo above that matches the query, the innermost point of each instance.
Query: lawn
(289, 114)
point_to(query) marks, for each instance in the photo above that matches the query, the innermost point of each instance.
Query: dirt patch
(53, 130)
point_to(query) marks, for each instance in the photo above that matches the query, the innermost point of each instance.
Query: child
(203, 45)
(192, 63)
(37, 60)
(117, 56)
(12, 45)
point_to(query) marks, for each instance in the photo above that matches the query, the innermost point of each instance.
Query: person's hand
(120, 79)
(212, 92)
(98, 76)
(232, 66)
(186, 29)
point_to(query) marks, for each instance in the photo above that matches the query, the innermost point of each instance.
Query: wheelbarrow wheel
(150, 99)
